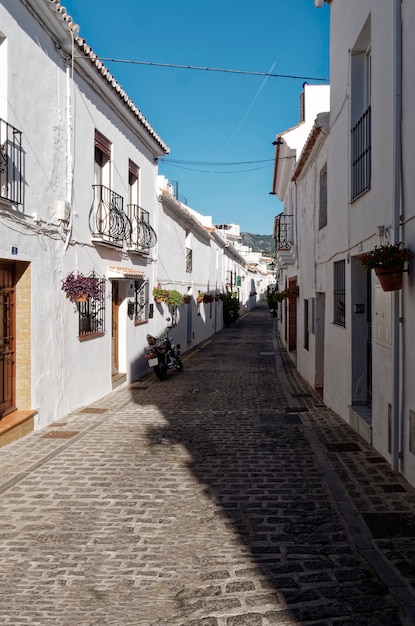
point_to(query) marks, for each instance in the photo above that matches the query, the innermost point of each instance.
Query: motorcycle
(163, 355)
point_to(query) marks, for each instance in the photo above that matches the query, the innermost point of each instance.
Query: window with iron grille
(339, 302)
(11, 164)
(141, 302)
(322, 214)
(189, 260)
(361, 155)
(91, 314)
(360, 111)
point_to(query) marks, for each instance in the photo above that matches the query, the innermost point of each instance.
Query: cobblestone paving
(220, 497)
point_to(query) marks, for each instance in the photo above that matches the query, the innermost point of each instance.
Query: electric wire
(205, 69)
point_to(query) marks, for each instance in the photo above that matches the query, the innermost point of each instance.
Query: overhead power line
(207, 69)
(217, 163)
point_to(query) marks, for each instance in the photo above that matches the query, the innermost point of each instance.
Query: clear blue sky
(219, 126)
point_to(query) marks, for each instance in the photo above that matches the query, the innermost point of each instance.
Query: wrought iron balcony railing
(108, 221)
(283, 232)
(142, 236)
(11, 164)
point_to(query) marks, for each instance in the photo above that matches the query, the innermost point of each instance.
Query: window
(306, 328)
(108, 222)
(133, 188)
(11, 164)
(361, 81)
(102, 162)
(140, 305)
(189, 260)
(91, 314)
(322, 216)
(339, 304)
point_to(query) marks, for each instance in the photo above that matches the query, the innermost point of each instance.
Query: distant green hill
(259, 243)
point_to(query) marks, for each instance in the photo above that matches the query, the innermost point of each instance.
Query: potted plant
(273, 298)
(200, 296)
(174, 298)
(159, 294)
(78, 287)
(230, 302)
(388, 262)
(291, 292)
(187, 298)
(208, 297)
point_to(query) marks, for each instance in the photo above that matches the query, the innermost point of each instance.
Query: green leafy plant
(388, 255)
(174, 298)
(78, 286)
(159, 294)
(273, 298)
(230, 307)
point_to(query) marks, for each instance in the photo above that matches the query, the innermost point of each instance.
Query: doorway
(114, 329)
(7, 339)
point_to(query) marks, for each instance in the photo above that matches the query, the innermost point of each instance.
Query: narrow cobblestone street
(228, 495)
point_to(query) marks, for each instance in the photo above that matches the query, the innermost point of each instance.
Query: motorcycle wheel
(161, 372)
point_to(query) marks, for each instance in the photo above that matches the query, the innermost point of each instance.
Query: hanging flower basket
(208, 297)
(159, 294)
(174, 297)
(187, 299)
(200, 297)
(290, 292)
(78, 287)
(390, 278)
(388, 262)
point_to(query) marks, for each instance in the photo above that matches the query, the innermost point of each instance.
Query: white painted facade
(80, 192)
(366, 71)
(362, 352)
(295, 229)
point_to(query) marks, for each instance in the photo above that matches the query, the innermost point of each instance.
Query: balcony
(108, 222)
(285, 250)
(142, 236)
(11, 164)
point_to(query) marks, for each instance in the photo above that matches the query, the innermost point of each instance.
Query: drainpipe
(73, 31)
(397, 331)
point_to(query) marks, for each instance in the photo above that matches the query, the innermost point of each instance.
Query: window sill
(140, 322)
(91, 336)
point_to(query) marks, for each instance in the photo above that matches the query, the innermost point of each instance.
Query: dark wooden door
(292, 318)
(7, 339)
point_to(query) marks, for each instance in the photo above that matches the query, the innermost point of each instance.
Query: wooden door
(114, 328)
(7, 339)
(292, 318)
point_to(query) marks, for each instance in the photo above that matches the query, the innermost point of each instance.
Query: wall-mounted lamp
(277, 143)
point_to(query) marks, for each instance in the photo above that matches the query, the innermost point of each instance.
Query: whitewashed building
(295, 229)
(361, 354)
(79, 193)
(370, 187)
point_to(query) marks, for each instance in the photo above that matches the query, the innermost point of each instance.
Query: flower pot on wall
(390, 278)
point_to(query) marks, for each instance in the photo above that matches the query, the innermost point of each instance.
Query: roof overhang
(127, 273)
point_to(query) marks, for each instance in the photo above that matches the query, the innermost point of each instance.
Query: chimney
(302, 106)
